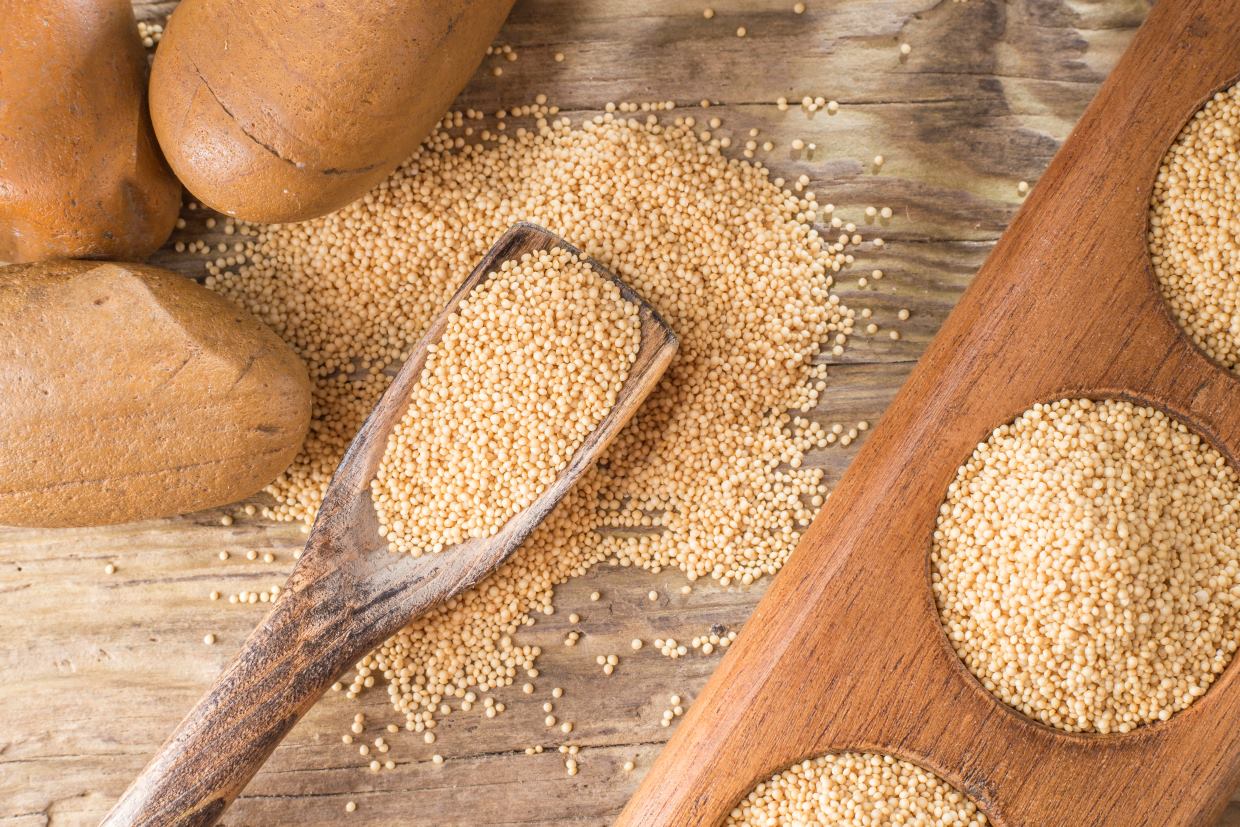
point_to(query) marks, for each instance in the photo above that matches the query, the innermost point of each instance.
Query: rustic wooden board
(1066, 305)
(99, 668)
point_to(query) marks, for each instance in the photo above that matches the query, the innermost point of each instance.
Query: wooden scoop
(349, 592)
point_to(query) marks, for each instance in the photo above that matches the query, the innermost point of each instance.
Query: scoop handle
(286, 665)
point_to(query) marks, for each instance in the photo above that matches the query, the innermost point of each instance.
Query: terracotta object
(133, 392)
(284, 110)
(80, 173)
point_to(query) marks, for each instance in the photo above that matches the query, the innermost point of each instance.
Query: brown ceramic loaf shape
(80, 173)
(284, 110)
(129, 392)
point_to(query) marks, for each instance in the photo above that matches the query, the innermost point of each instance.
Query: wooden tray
(846, 651)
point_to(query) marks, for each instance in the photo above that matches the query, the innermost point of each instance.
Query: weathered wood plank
(100, 668)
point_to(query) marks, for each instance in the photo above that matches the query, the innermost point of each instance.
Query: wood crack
(272, 150)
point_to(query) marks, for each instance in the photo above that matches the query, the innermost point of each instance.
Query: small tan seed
(854, 790)
(527, 387)
(1193, 227)
(1086, 564)
(768, 265)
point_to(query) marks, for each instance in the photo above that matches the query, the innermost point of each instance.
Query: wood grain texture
(99, 668)
(1032, 327)
(348, 592)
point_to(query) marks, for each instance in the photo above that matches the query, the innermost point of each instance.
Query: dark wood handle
(283, 668)
(348, 593)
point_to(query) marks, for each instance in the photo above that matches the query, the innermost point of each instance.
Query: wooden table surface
(98, 668)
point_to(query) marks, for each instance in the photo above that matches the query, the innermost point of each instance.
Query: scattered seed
(337, 314)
